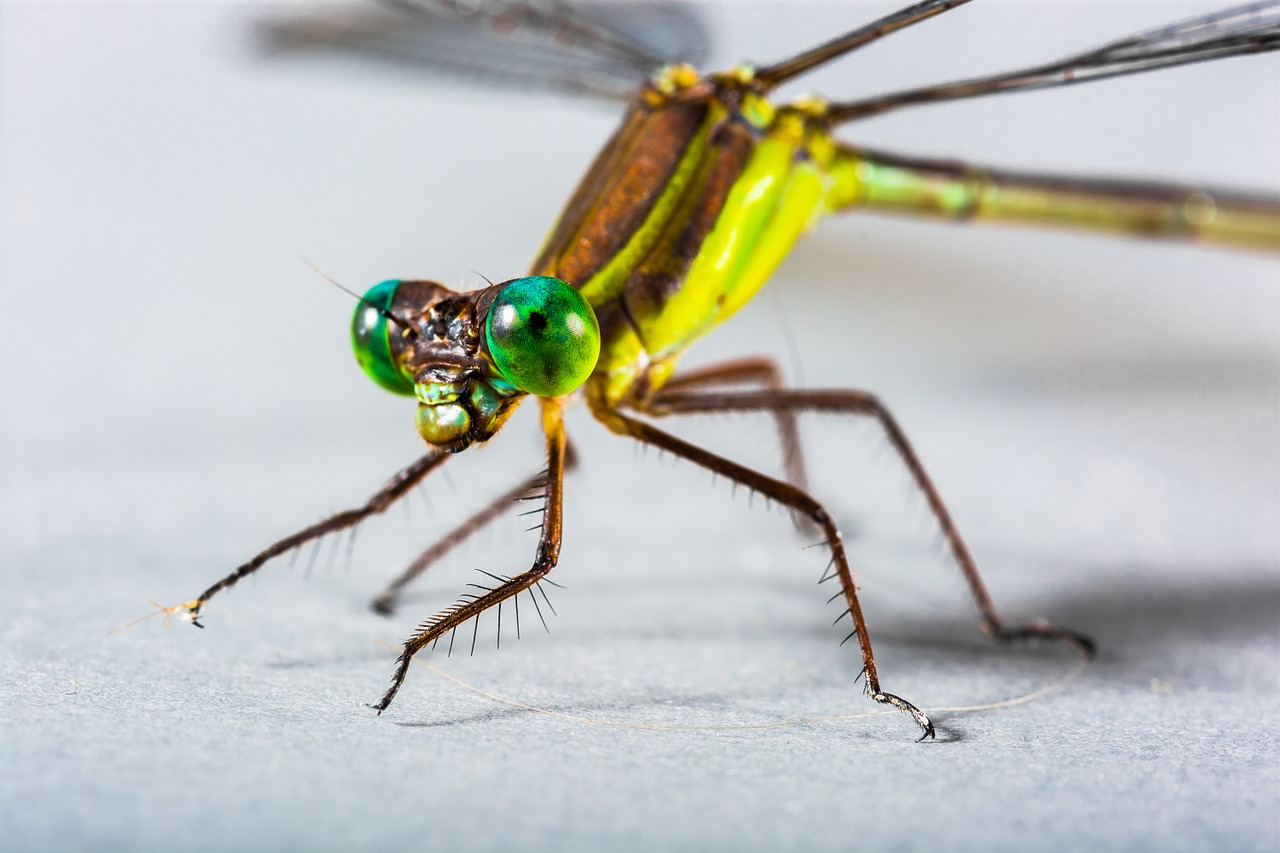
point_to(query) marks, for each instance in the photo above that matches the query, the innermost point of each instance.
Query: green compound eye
(543, 335)
(371, 342)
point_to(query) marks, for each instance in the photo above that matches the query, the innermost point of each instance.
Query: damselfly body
(702, 191)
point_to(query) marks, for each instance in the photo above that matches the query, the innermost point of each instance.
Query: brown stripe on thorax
(620, 189)
(663, 270)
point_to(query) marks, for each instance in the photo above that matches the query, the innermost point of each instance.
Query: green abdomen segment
(955, 191)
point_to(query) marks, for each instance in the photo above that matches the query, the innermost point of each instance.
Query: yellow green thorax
(785, 185)
(783, 190)
(780, 194)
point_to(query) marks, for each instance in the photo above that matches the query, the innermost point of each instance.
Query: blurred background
(177, 391)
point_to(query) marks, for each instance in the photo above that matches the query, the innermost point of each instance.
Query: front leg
(395, 488)
(548, 553)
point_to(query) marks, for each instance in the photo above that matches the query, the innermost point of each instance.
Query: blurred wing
(601, 49)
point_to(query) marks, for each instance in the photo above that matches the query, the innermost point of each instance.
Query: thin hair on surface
(1082, 663)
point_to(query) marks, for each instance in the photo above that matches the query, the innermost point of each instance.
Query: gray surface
(1103, 417)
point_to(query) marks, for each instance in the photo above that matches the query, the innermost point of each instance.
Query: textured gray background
(1102, 416)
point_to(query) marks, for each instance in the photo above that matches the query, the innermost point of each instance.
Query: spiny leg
(394, 489)
(386, 601)
(789, 496)
(866, 404)
(746, 370)
(544, 560)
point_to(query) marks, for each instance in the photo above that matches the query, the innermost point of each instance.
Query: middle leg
(752, 369)
(864, 404)
(545, 559)
(793, 498)
(387, 600)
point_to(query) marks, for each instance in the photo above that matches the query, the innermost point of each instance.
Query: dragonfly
(706, 185)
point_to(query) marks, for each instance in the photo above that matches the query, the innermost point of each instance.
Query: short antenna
(399, 321)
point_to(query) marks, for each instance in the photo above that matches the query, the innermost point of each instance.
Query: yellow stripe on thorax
(784, 189)
(608, 283)
(780, 194)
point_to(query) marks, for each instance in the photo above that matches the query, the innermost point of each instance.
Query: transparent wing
(600, 49)
(1253, 28)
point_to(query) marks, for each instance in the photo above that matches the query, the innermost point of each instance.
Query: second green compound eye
(543, 335)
